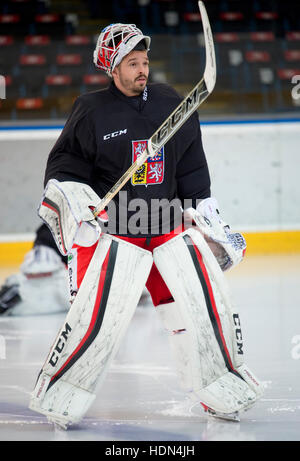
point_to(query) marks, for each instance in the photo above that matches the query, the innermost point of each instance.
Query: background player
(98, 143)
(41, 285)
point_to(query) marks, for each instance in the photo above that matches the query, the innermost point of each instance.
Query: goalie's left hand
(228, 247)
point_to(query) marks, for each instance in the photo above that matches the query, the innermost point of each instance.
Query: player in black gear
(144, 241)
(105, 133)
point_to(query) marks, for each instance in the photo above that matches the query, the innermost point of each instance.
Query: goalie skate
(234, 416)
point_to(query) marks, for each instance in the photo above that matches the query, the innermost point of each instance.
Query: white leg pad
(228, 394)
(93, 329)
(63, 404)
(205, 331)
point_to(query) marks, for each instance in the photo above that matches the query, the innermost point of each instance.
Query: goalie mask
(115, 42)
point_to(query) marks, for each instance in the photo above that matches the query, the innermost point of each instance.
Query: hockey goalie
(112, 258)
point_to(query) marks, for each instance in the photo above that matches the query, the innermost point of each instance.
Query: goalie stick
(178, 117)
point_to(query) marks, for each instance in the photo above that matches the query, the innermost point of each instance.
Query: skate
(234, 416)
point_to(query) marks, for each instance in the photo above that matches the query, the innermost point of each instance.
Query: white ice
(141, 398)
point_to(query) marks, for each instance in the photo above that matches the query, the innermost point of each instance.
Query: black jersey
(103, 136)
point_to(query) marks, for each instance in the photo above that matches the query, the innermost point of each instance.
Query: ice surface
(141, 399)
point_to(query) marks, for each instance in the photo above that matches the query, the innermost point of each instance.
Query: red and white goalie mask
(115, 42)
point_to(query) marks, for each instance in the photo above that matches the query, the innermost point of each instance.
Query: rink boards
(254, 167)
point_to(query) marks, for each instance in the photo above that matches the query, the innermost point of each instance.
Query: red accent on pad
(213, 303)
(176, 332)
(206, 408)
(55, 210)
(94, 314)
(103, 216)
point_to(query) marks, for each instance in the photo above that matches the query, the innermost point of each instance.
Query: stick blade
(210, 72)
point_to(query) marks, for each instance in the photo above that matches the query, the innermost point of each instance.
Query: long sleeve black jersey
(103, 136)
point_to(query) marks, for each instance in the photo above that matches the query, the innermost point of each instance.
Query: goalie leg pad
(64, 403)
(92, 330)
(206, 333)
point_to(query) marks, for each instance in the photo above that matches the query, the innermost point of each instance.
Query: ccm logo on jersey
(114, 134)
